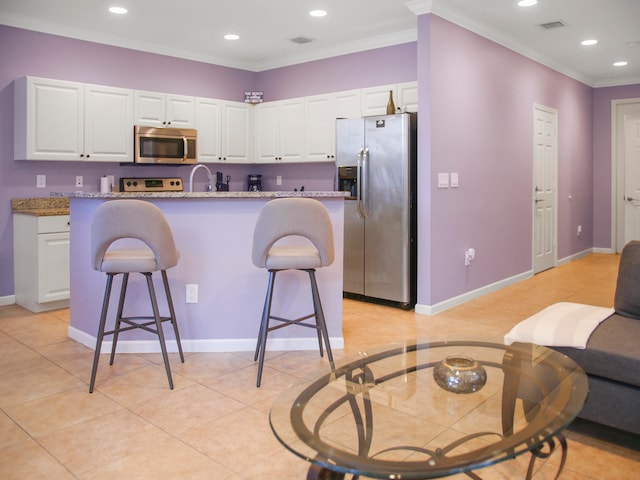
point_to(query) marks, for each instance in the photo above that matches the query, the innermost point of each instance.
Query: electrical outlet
(579, 230)
(279, 180)
(469, 256)
(79, 181)
(191, 293)
(41, 181)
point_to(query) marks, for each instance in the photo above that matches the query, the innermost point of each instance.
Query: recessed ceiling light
(231, 36)
(620, 64)
(118, 10)
(587, 43)
(527, 3)
(318, 13)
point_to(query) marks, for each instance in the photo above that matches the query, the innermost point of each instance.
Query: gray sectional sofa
(612, 357)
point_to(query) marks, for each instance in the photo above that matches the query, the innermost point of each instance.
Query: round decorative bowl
(460, 374)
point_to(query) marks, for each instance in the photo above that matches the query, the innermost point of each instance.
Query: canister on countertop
(104, 184)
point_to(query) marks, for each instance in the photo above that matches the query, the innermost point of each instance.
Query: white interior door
(545, 174)
(631, 151)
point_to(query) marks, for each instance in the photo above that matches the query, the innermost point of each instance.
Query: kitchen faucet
(193, 170)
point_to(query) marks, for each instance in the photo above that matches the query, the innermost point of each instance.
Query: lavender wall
(602, 98)
(371, 68)
(481, 98)
(24, 52)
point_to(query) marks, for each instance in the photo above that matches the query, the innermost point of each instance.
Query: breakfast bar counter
(213, 232)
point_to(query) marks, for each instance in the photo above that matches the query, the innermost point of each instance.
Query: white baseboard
(205, 345)
(604, 250)
(465, 297)
(575, 256)
(7, 300)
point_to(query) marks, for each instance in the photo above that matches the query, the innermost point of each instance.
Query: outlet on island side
(279, 180)
(191, 293)
(41, 181)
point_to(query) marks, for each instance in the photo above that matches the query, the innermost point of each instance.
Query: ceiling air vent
(301, 40)
(552, 25)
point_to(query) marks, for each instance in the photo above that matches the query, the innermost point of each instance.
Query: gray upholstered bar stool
(133, 219)
(280, 218)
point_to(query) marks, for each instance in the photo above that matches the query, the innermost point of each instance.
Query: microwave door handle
(185, 149)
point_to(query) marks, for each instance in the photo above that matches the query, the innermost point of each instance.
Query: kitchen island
(214, 233)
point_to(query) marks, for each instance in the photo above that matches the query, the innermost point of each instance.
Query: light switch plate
(443, 180)
(454, 180)
(41, 181)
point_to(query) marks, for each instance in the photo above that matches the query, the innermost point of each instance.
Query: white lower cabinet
(41, 258)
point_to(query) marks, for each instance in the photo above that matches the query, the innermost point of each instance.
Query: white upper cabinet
(108, 128)
(321, 112)
(69, 121)
(224, 131)
(279, 131)
(319, 128)
(375, 100)
(237, 132)
(347, 104)
(407, 97)
(154, 109)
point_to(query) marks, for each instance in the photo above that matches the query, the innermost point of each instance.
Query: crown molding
(420, 7)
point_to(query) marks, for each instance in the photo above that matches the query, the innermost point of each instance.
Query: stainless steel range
(169, 184)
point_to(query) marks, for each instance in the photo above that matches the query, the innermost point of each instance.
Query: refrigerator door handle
(358, 182)
(363, 174)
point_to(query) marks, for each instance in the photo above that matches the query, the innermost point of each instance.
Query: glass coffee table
(425, 409)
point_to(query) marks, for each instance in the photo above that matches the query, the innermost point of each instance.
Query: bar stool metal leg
(156, 315)
(172, 312)
(319, 314)
(116, 329)
(101, 325)
(264, 326)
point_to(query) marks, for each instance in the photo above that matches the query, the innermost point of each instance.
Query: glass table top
(427, 409)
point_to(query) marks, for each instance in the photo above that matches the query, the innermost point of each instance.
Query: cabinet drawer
(53, 224)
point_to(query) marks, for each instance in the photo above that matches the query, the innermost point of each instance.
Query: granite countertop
(212, 195)
(41, 206)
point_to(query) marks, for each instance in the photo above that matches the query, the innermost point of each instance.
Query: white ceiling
(194, 29)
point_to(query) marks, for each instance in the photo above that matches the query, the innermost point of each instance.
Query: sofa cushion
(612, 351)
(627, 298)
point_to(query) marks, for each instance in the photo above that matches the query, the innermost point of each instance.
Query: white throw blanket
(562, 324)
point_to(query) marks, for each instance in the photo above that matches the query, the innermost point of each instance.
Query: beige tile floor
(214, 425)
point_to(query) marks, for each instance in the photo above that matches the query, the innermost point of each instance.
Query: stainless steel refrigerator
(376, 161)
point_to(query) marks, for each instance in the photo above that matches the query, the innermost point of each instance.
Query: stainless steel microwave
(175, 146)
